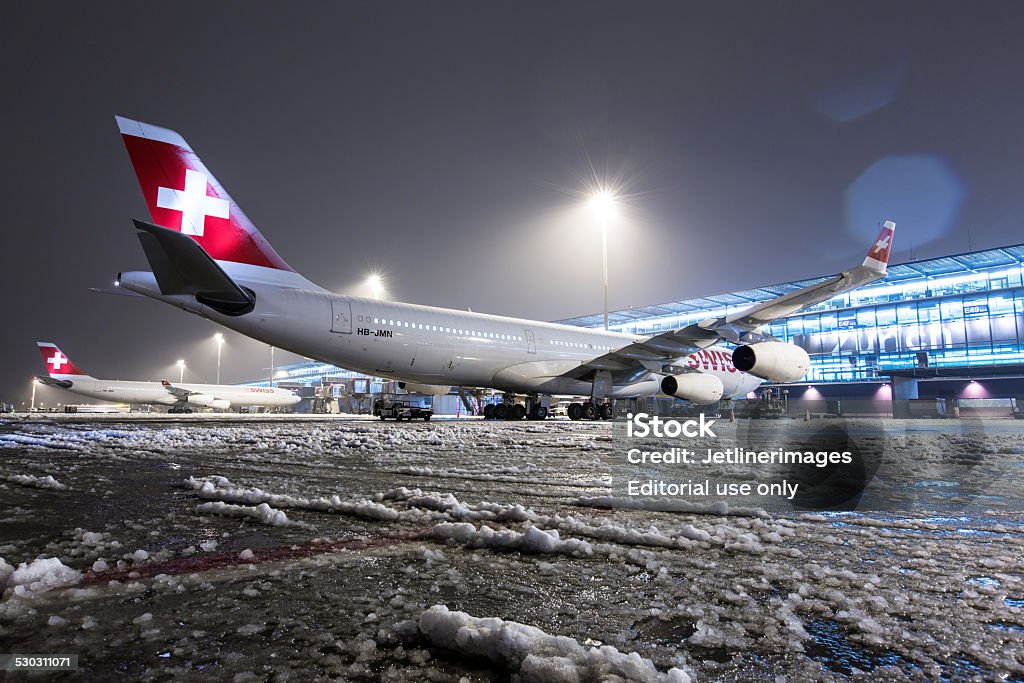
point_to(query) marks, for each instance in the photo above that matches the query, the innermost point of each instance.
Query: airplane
(180, 398)
(208, 258)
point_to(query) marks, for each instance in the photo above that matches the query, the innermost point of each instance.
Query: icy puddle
(274, 550)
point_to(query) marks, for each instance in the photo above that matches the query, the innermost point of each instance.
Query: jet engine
(425, 389)
(693, 386)
(208, 401)
(776, 361)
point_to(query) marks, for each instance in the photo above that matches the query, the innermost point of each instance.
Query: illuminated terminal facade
(943, 320)
(956, 311)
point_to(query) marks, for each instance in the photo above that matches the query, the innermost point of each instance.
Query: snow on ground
(272, 548)
(39, 576)
(47, 482)
(537, 656)
(262, 512)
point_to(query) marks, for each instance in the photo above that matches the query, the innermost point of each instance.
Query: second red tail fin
(57, 364)
(878, 253)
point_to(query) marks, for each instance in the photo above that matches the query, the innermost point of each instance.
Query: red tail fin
(57, 364)
(182, 195)
(878, 254)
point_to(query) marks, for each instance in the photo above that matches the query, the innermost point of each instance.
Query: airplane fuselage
(429, 345)
(153, 393)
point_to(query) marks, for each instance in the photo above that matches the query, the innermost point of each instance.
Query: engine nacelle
(693, 386)
(776, 361)
(220, 404)
(425, 389)
(201, 400)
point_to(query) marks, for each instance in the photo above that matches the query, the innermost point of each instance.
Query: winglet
(878, 254)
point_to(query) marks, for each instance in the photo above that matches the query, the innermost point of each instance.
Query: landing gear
(535, 408)
(590, 410)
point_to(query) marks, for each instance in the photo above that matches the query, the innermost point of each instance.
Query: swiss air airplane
(180, 398)
(207, 258)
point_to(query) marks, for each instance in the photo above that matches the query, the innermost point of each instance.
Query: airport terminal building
(949, 327)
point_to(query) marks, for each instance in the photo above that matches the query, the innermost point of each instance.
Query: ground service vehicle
(400, 410)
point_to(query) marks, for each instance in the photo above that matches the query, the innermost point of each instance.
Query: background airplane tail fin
(58, 365)
(878, 253)
(182, 195)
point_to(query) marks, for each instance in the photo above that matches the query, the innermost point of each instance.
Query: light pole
(603, 203)
(220, 343)
(181, 371)
(271, 367)
(35, 383)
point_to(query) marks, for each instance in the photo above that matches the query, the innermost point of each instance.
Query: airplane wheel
(606, 411)
(501, 411)
(542, 413)
(588, 411)
(575, 410)
(489, 411)
(188, 410)
(518, 412)
(426, 418)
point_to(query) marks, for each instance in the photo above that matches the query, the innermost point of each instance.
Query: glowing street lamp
(181, 371)
(35, 383)
(604, 205)
(219, 338)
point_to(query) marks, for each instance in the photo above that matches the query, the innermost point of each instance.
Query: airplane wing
(53, 382)
(658, 353)
(177, 392)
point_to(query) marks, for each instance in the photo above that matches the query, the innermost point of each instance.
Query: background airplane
(64, 374)
(208, 258)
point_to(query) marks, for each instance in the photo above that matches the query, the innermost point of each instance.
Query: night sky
(447, 144)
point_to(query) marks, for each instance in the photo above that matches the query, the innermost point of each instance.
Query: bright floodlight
(604, 204)
(376, 283)
(219, 338)
(181, 363)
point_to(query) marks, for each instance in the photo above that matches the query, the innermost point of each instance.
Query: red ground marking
(206, 562)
